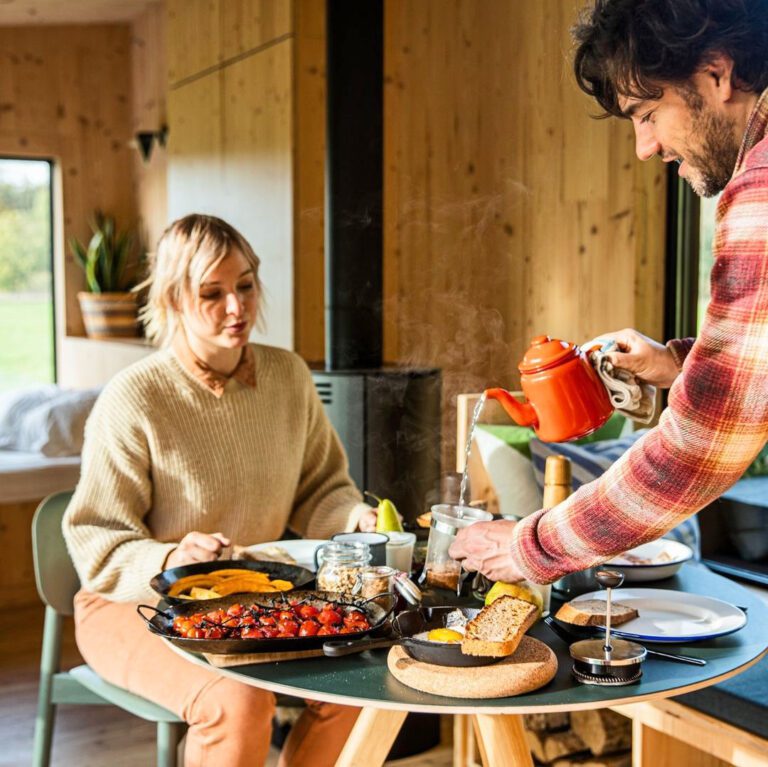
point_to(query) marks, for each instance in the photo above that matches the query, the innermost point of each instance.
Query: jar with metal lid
(340, 565)
(377, 580)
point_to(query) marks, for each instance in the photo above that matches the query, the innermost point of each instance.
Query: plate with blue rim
(672, 616)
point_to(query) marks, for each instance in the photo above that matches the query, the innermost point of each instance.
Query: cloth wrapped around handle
(632, 398)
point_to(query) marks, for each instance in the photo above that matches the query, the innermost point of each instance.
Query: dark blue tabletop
(364, 680)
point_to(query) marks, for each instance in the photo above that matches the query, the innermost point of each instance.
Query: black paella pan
(405, 627)
(163, 581)
(161, 621)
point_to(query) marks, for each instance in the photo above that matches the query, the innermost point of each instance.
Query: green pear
(387, 518)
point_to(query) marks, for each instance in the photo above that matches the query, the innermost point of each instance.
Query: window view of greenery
(706, 233)
(26, 285)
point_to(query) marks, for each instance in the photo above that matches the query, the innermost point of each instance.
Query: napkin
(628, 395)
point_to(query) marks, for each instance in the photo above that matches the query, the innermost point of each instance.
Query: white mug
(400, 551)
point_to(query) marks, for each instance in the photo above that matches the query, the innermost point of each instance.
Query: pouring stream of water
(468, 451)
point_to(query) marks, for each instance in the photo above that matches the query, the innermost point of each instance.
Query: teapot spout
(522, 413)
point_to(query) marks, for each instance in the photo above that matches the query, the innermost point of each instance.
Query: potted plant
(109, 308)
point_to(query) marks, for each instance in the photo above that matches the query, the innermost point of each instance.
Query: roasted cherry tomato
(329, 617)
(288, 627)
(252, 633)
(308, 629)
(307, 611)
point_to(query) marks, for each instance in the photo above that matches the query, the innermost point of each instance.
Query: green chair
(57, 583)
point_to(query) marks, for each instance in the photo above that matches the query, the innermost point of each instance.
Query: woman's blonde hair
(187, 250)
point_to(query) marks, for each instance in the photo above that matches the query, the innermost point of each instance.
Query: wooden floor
(84, 736)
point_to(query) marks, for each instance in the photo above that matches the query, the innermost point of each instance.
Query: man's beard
(712, 162)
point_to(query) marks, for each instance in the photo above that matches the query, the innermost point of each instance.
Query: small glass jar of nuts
(341, 565)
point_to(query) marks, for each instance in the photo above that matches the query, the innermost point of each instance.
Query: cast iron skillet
(161, 623)
(163, 581)
(411, 622)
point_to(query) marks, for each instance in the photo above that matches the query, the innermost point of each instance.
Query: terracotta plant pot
(110, 315)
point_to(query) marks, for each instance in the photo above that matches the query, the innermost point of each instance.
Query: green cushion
(519, 437)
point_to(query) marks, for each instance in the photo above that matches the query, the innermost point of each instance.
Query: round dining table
(363, 680)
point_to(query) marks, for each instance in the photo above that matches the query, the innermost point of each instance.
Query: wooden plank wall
(149, 112)
(508, 211)
(65, 94)
(231, 142)
(309, 178)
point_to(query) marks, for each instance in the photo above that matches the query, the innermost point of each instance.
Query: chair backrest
(55, 575)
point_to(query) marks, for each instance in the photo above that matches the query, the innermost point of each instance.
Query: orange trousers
(230, 723)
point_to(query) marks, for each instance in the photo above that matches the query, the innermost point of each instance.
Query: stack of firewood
(595, 738)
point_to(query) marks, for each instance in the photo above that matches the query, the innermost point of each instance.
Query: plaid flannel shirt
(717, 418)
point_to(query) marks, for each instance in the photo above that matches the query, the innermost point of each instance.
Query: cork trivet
(531, 666)
(243, 659)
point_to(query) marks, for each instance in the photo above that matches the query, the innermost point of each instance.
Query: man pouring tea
(692, 76)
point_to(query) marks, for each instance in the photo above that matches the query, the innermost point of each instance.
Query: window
(26, 274)
(690, 230)
(707, 208)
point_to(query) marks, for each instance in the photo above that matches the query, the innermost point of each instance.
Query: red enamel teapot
(566, 399)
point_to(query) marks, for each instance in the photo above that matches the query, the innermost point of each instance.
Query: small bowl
(671, 553)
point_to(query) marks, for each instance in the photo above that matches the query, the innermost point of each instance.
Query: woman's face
(226, 306)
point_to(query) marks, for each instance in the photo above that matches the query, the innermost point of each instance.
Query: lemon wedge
(444, 635)
(518, 590)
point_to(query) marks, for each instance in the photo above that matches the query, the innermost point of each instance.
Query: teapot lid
(546, 352)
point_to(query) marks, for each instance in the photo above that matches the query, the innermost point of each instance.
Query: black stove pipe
(354, 184)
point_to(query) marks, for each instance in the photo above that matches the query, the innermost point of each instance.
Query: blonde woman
(209, 441)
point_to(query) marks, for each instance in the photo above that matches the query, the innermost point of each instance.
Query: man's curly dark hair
(635, 47)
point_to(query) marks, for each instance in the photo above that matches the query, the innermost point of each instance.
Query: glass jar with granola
(341, 565)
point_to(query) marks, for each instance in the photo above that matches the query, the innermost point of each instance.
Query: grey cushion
(741, 701)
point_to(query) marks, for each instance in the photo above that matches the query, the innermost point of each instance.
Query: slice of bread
(591, 612)
(497, 629)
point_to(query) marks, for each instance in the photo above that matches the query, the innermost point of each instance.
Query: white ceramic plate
(673, 616)
(303, 550)
(664, 558)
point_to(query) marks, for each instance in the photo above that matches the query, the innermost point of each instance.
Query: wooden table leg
(463, 741)
(501, 739)
(371, 738)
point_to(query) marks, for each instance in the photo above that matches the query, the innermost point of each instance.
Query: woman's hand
(197, 547)
(649, 360)
(485, 547)
(367, 521)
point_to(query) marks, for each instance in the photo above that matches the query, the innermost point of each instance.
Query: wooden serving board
(247, 659)
(531, 666)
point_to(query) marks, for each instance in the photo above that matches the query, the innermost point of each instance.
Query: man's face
(684, 127)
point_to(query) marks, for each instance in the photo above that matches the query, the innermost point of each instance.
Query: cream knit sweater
(164, 456)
